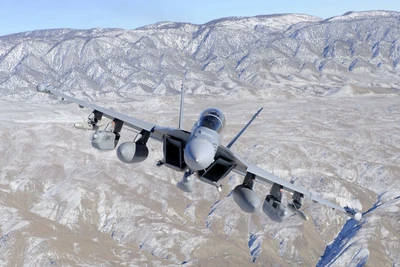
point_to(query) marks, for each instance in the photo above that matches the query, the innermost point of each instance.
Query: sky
(26, 15)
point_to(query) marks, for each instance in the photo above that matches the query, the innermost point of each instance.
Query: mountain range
(288, 55)
(330, 92)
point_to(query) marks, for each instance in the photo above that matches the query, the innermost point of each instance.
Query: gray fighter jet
(200, 155)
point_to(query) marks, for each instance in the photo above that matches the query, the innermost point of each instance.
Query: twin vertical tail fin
(181, 108)
(181, 117)
(182, 101)
(244, 129)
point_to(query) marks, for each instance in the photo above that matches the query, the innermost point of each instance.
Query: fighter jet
(200, 155)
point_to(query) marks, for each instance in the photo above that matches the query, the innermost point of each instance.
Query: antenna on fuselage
(181, 107)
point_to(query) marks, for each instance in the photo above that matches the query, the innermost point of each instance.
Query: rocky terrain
(278, 55)
(330, 92)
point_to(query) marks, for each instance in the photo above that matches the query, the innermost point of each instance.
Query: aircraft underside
(200, 156)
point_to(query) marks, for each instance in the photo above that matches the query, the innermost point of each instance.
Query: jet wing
(263, 176)
(129, 121)
(156, 132)
(240, 165)
(269, 178)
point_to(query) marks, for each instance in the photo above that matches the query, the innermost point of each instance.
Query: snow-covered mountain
(63, 203)
(291, 54)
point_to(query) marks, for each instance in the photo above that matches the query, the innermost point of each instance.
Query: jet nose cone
(199, 154)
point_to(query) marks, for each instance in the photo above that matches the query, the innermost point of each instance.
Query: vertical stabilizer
(244, 129)
(181, 108)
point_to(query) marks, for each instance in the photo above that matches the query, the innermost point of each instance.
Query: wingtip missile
(358, 216)
(353, 213)
(44, 88)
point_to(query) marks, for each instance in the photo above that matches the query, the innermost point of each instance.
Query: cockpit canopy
(213, 119)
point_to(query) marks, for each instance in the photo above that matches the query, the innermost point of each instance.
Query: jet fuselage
(206, 135)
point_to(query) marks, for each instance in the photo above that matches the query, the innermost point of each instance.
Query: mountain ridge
(299, 54)
(63, 203)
